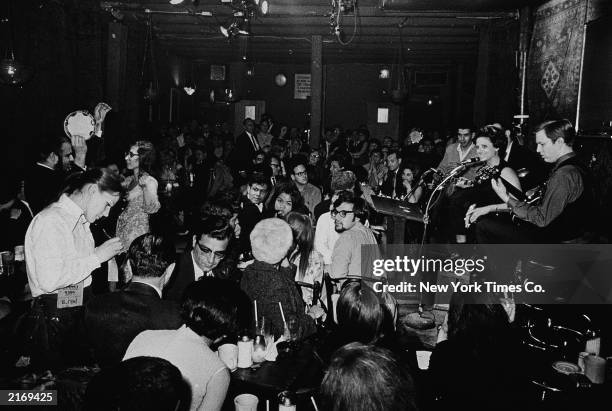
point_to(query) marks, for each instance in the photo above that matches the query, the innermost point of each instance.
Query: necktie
(254, 142)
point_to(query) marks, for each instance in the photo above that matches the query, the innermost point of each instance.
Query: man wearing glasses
(350, 214)
(211, 236)
(310, 193)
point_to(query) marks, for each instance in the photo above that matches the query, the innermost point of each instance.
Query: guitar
(487, 173)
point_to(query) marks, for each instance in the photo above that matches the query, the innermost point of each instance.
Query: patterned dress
(134, 220)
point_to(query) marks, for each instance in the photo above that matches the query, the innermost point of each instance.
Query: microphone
(471, 161)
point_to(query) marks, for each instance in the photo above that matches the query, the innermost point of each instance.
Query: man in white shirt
(211, 236)
(60, 255)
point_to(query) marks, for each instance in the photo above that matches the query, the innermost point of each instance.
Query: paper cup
(423, 359)
(246, 402)
(228, 353)
(595, 368)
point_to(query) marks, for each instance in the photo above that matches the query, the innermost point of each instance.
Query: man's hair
(209, 309)
(359, 205)
(149, 255)
(558, 129)
(344, 160)
(100, 176)
(466, 126)
(297, 161)
(364, 377)
(259, 179)
(246, 120)
(214, 226)
(139, 383)
(47, 146)
(396, 152)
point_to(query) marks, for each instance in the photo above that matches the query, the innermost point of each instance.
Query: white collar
(197, 271)
(46, 166)
(159, 291)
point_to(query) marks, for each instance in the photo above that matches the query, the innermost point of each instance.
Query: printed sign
(302, 86)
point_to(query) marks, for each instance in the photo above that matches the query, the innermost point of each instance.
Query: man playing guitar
(562, 213)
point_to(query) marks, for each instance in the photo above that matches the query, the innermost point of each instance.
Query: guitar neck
(516, 193)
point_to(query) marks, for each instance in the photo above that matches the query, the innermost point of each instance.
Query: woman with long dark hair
(141, 188)
(309, 262)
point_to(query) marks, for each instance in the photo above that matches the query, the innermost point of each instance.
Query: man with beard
(350, 214)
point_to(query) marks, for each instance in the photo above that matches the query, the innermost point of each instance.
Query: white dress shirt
(59, 248)
(197, 271)
(325, 237)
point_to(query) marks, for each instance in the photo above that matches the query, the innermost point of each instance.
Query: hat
(270, 240)
(343, 180)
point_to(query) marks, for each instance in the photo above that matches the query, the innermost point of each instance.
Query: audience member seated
(138, 384)
(15, 215)
(366, 378)
(308, 261)
(269, 279)
(479, 366)
(350, 215)
(369, 318)
(210, 239)
(299, 175)
(113, 320)
(285, 198)
(210, 317)
(252, 206)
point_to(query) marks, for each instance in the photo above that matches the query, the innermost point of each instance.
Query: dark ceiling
(433, 31)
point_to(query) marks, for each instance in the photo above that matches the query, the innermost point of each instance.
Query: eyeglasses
(301, 174)
(342, 213)
(131, 154)
(219, 255)
(274, 165)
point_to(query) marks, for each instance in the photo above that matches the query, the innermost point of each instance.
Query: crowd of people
(266, 217)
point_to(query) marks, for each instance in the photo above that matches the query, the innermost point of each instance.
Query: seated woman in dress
(479, 199)
(477, 365)
(308, 261)
(269, 279)
(141, 188)
(210, 316)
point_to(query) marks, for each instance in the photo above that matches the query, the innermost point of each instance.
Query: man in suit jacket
(113, 320)
(211, 237)
(246, 147)
(43, 181)
(252, 207)
(392, 184)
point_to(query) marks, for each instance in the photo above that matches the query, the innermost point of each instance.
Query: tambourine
(82, 123)
(79, 123)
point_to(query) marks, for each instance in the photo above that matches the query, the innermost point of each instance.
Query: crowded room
(322, 205)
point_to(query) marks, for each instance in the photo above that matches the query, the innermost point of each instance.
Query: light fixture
(190, 87)
(384, 73)
(13, 72)
(430, 102)
(175, 2)
(189, 90)
(236, 28)
(264, 7)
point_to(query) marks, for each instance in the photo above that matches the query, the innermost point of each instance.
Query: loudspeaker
(115, 64)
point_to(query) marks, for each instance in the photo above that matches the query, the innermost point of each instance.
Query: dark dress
(270, 285)
(481, 194)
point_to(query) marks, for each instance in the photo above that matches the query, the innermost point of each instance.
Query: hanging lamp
(13, 72)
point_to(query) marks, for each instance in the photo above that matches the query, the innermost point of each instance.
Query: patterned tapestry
(554, 59)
